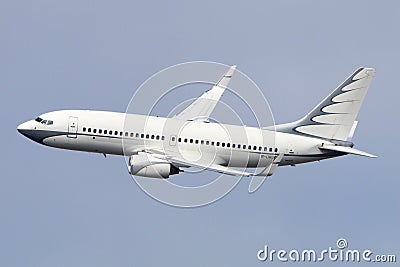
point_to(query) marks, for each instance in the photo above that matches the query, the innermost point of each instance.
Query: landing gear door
(72, 127)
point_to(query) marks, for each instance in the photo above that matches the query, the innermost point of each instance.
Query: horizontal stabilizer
(348, 150)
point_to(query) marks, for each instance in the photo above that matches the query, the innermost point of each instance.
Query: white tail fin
(334, 117)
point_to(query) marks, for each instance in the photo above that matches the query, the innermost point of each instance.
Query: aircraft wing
(183, 163)
(202, 107)
(211, 167)
(178, 162)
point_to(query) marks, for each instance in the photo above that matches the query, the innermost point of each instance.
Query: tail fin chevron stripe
(334, 117)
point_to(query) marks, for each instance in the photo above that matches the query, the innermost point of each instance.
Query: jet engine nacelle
(148, 166)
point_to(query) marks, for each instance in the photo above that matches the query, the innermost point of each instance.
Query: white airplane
(159, 147)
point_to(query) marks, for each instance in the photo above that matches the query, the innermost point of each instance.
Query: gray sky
(64, 208)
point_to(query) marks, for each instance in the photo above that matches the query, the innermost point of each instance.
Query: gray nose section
(26, 130)
(29, 130)
(23, 127)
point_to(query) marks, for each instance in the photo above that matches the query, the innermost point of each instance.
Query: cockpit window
(46, 122)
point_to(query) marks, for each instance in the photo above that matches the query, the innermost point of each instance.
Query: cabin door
(72, 127)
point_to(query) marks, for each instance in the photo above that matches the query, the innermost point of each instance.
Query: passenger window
(84, 129)
(259, 148)
(223, 144)
(238, 146)
(120, 133)
(197, 141)
(137, 135)
(228, 145)
(157, 137)
(152, 136)
(147, 136)
(179, 139)
(202, 142)
(233, 145)
(94, 130)
(191, 141)
(217, 143)
(270, 149)
(142, 136)
(212, 143)
(276, 149)
(100, 131)
(115, 132)
(185, 140)
(131, 134)
(244, 146)
(110, 132)
(163, 137)
(173, 138)
(207, 142)
(126, 133)
(89, 130)
(254, 148)
(265, 149)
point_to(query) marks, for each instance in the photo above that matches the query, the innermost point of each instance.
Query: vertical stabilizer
(335, 116)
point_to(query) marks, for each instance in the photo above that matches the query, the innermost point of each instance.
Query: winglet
(231, 70)
(258, 178)
(203, 106)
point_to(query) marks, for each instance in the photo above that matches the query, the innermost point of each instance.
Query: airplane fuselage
(159, 147)
(126, 134)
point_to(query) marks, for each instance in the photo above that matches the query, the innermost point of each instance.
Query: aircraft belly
(103, 145)
(248, 160)
(298, 159)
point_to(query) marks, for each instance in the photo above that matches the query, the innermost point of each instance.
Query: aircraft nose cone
(28, 130)
(24, 128)
(19, 128)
